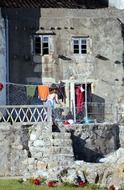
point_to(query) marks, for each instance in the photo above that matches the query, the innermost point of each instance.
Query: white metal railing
(30, 114)
(26, 114)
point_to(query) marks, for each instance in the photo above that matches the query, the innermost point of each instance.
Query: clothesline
(37, 84)
(40, 90)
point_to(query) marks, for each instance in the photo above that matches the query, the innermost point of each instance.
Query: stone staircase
(61, 151)
(49, 151)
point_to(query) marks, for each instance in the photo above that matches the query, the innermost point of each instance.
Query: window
(41, 45)
(45, 45)
(80, 45)
(37, 45)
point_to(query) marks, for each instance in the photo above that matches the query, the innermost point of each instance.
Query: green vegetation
(7, 184)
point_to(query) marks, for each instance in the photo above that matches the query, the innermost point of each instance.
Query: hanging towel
(30, 90)
(43, 92)
(80, 96)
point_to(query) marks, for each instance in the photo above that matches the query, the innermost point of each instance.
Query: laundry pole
(73, 108)
(86, 114)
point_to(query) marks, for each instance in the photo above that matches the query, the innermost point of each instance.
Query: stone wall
(91, 142)
(98, 26)
(32, 149)
(121, 135)
(13, 141)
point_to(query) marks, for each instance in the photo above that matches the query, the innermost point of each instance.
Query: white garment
(52, 100)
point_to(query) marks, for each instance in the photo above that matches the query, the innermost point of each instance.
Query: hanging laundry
(30, 90)
(82, 90)
(93, 86)
(43, 92)
(80, 96)
(1, 86)
(61, 92)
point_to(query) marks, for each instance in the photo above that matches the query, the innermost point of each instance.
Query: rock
(118, 176)
(42, 173)
(39, 143)
(30, 161)
(33, 137)
(114, 157)
(41, 165)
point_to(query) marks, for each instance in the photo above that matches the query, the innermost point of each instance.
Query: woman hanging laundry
(52, 100)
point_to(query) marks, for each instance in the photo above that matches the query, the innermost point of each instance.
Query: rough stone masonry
(32, 151)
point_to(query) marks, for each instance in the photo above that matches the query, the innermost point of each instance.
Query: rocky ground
(56, 161)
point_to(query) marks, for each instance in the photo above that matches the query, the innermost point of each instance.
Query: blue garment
(50, 103)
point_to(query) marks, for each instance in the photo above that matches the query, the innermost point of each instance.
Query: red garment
(1, 86)
(79, 99)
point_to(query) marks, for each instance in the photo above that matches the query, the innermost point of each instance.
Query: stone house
(70, 42)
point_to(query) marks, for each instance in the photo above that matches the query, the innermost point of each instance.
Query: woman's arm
(56, 98)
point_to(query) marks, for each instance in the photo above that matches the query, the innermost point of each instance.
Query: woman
(52, 99)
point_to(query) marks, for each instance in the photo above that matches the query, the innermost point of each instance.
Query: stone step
(60, 150)
(59, 157)
(61, 142)
(50, 149)
(64, 163)
(56, 135)
(40, 155)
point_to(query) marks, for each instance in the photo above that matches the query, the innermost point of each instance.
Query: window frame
(79, 48)
(42, 47)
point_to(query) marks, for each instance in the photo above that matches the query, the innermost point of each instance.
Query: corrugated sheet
(39, 3)
(54, 3)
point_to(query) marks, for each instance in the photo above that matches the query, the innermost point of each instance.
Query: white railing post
(49, 115)
(27, 114)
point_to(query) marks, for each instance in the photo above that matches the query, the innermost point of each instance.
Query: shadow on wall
(95, 142)
(98, 108)
(83, 153)
(22, 24)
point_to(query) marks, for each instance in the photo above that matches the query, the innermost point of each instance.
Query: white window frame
(80, 39)
(41, 45)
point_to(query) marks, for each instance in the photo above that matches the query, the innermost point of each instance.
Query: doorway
(83, 99)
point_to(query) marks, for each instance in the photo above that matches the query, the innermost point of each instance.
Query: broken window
(80, 45)
(41, 44)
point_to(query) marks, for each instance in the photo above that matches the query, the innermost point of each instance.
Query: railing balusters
(28, 114)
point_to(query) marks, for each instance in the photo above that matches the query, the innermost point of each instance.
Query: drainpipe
(7, 58)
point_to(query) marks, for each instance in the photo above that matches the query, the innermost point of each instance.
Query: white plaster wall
(2, 61)
(119, 4)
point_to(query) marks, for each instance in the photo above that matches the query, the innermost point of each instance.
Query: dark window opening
(41, 45)
(37, 45)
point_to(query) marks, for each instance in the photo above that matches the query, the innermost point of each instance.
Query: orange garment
(43, 92)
